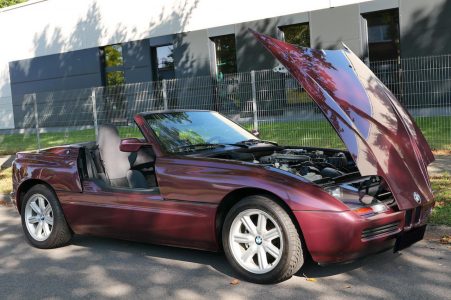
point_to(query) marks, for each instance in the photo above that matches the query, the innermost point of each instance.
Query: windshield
(179, 130)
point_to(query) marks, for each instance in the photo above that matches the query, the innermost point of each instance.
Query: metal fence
(269, 101)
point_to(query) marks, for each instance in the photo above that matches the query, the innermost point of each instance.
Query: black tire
(60, 233)
(292, 257)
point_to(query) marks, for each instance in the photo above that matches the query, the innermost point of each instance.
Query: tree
(5, 3)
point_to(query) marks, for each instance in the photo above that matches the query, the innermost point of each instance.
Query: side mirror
(132, 145)
(255, 132)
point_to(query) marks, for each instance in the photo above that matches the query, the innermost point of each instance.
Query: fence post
(165, 95)
(94, 112)
(254, 100)
(36, 118)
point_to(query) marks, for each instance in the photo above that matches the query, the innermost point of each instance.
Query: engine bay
(335, 170)
(310, 163)
(313, 165)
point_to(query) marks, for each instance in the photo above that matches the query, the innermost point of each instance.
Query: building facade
(51, 45)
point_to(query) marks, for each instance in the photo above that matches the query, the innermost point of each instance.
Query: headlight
(365, 206)
(336, 192)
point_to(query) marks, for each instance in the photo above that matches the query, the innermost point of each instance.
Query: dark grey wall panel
(293, 19)
(330, 27)
(251, 55)
(162, 40)
(425, 27)
(192, 58)
(191, 54)
(137, 63)
(136, 53)
(54, 66)
(56, 109)
(65, 71)
(46, 85)
(141, 74)
(221, 30)
(371, 6)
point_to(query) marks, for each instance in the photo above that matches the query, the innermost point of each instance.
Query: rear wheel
(43, 220)
(261, 241)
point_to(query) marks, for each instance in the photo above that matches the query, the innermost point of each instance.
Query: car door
(141, 215)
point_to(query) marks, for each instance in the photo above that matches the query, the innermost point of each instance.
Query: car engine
(311, 164)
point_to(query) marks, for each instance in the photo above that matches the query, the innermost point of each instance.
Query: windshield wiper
(202, 146)
(255, 141)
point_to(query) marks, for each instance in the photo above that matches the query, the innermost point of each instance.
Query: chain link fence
(271, 102)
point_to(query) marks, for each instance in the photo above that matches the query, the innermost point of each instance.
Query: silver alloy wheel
(256, 241)
(39, 217)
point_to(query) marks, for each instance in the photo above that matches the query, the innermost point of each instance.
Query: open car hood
(380, 134)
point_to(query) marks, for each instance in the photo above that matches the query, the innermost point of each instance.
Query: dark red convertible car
(196, 179)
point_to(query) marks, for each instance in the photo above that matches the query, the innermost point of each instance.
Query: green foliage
(5, 3)
(115, 78)
(192, 137)
(298, 34)
(113, 56)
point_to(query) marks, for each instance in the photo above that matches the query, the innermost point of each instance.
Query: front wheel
(261, 241)
(43, 220)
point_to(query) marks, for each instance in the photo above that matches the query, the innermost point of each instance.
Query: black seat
(117, 164)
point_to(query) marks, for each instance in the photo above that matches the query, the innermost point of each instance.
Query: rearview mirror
(132, 145)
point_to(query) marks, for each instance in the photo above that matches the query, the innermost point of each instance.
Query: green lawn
(301, 133)
(320, 133)
(441, 214)
(6, 182)
(10, 144)
(308, 133)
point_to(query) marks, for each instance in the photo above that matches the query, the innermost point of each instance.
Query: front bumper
(333, 237)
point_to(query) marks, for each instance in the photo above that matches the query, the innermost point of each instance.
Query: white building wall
(44, 27)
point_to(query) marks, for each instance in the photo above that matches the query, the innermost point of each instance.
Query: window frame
(155, 63)
(215, 53)
(283, 37)
(112, 69)
(395, 40)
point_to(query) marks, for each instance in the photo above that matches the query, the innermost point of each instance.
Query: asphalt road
(104, 268)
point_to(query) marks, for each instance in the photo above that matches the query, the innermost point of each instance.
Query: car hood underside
(380, 134)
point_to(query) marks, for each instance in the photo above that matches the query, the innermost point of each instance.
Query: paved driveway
(105, 268)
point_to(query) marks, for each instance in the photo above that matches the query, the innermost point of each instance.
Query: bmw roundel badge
(417, 197)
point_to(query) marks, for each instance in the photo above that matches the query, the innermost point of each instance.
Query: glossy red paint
(183, 211)
(140, 216)
(149, 135)
(132, 145)
(185, 208)
(208, 180)
(56, 167)
(379, 133)
(336, 236)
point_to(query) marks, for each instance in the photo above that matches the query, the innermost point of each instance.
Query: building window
(163, 66)
(165, 57)
(114, 78)
(113, 65)
(383, 35)
(296, 34)
(225, 51)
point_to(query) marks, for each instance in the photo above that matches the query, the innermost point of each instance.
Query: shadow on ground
(106, 268)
